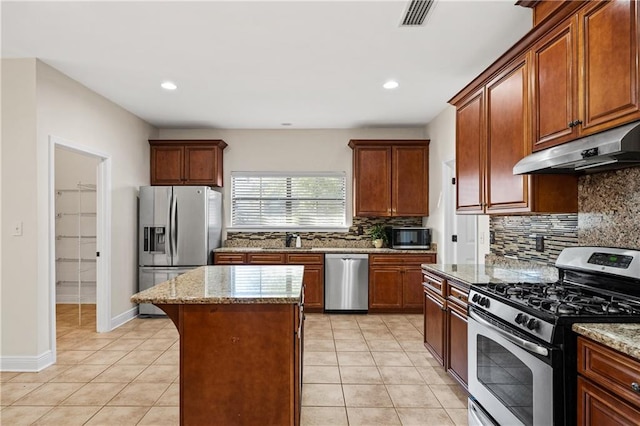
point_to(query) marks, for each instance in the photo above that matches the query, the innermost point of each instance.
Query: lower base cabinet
(445, 323)
(395, 282)
(608, 386)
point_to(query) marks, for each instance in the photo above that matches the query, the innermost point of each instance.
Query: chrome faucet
(289, 238)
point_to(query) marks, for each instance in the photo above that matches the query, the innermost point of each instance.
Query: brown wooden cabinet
(217, 373)
(492, 135)
(186, 162)
(390, 178)
(456, 335)
(313, 277)
(574, 67)
(608, 386)
(395, 282)
(445, 323)
(609, 56)
(554, 102)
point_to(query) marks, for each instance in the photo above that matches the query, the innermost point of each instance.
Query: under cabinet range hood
(613, 149)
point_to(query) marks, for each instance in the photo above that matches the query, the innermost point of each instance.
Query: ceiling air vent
(416, 12)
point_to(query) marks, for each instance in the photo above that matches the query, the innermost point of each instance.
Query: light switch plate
(17, 229)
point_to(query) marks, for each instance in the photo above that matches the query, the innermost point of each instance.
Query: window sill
(285, 229)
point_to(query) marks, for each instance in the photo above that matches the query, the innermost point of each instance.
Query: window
(288, 200)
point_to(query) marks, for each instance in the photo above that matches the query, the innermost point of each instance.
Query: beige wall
(19, 310)
(289, 150)
(442, 133)
(42, 103)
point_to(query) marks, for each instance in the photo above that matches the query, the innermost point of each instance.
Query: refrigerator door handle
(174, 229)
(168, 233)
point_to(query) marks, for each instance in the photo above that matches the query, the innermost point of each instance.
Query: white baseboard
(124, 318)
(27, 363)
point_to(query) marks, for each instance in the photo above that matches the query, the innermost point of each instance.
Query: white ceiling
(255, 65)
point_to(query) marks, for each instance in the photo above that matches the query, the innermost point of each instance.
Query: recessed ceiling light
(391, 84)
(168, 85)
(285, 124)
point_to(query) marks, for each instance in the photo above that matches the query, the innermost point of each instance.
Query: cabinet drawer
(458, 295)
(402, 259)
(305, 259)
(229, 258)
(612, 370)
(434, 283)
(266, 258)
(385, 259)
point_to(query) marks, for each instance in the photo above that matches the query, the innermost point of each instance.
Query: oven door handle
(523, 343)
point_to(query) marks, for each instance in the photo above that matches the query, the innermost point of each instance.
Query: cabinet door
(597, 407)
(385, 288)
(508, 140)
(372, 181)
(434, 323)
(167, 165)
(555, 87)
(200, 167)
(313, 279)
(609, 83)
(470, 156)
(410, 181)
(412, 291)
(457, 343)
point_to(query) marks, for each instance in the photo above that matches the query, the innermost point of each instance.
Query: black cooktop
(564, 299)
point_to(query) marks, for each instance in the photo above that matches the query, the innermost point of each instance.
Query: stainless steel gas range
(522, 352)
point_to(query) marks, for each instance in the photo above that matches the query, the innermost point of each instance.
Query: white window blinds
(289, 200)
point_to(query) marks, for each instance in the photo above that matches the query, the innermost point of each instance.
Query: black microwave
(410, 238)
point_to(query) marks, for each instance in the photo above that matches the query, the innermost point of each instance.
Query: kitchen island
(241, 331)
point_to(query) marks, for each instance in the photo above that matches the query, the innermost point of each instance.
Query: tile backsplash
(608, 215)
(351, 239)
(515, 235)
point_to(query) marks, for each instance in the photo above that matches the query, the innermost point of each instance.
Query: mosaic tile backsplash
(608, 215)
(515, 236)
(351, 239)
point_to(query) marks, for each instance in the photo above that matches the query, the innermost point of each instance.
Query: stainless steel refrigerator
(178, 226)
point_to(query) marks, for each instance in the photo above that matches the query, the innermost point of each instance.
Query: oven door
(509, 376)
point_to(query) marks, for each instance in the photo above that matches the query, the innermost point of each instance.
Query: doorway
(76, 209)
(79, 237)
(460, 243)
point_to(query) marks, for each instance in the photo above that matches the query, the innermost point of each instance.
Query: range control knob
(532, 324)
(475, 297)
(484, 301)
(520, 318)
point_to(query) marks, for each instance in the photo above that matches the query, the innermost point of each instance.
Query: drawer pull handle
(636, 387)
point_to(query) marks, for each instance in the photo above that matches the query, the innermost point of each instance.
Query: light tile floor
(359, 370)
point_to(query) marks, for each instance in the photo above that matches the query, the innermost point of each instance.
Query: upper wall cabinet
(585, 74)
(186, 162)
(492, 135)
(390, 177)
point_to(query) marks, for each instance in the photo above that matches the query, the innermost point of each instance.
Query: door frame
(451, 218)
(103, 234)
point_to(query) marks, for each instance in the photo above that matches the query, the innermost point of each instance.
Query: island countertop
(233, 284)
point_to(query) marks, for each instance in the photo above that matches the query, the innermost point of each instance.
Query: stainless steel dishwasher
(346, 282)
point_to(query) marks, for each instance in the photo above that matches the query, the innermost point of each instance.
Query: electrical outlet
(539, 242)
(481, 237)
(492, 237)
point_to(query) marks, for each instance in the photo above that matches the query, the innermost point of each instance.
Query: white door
(460, 244)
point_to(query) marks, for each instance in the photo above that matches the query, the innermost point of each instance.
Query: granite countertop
(237, 284)
(371, 250)
(485, 274)
(624, 338)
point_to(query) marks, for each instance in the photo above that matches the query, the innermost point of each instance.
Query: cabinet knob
(570, 124)
(636, 387)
